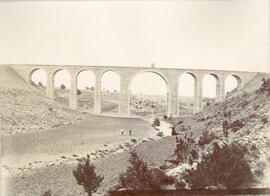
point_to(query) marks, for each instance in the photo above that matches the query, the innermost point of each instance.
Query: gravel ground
(88, 135)
(36, 162)
(60, 180)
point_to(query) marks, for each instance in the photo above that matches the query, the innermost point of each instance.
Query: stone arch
(238, 79)
(32, 71)
(150, 71)
(85, 82)
(108, 70)
(84, 70)
(186, 106)
(64, 95)
(156, 73)
(110, 99)
(216, 77)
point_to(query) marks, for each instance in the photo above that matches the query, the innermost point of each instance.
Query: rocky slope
(248, 117)
(23, 108)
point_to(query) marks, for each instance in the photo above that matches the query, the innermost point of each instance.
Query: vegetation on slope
(220, 161)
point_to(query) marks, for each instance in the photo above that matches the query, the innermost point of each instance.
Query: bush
(139, 177)
(160, 134)
(173, 131)
(256, 107)
(63, 86)
(244, 103)
(40, 84)
(156, 122)
(180, 122)
(264, 120)
(206, 138)
(265, 86)
(185, 150)
(86, 176)
(224, 167)
(236, 125)
(47, 193)
(79, 92)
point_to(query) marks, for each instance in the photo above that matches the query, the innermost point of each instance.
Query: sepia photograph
(134, 97)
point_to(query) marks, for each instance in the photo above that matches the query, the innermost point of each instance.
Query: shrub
(184, 150)
(206, 138)
(201, 119)
(265, 86)
(156, 122)
(256, 107)
(40, 84)
(47, 193)
(244, 103)
(264, 120)
(79, 92)
(63, 86)
(165, 117)
(86, 176)
(179, 122)
(173, 131)
(236, 125)
(224, 167)
(92, 88)
(139, 177)
(252, 115)
(160, 134)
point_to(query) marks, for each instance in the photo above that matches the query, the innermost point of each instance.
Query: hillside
(25, 109)
(248, 117)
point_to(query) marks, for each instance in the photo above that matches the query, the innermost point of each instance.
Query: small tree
(139, 177)
(79, 92)
(63, 86)
(224, 167)
(86, 176)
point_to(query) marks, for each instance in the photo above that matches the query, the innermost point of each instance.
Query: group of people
(129, 132)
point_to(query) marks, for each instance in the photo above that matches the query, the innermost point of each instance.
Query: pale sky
(216, 34)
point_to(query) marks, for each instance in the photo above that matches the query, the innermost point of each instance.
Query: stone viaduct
(169, 75)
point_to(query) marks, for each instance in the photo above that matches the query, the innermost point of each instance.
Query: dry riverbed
(36, 162)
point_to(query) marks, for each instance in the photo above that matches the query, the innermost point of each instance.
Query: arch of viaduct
(170, 76)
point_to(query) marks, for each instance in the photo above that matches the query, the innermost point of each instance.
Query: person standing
(122, 131)
(225, 125)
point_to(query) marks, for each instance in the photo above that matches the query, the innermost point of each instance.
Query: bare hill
(9, 78)
(23, 108)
